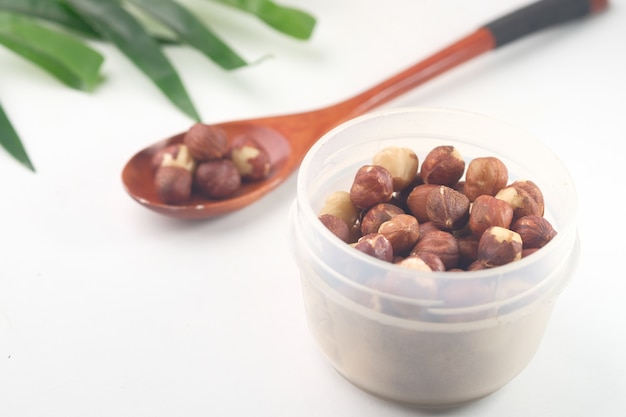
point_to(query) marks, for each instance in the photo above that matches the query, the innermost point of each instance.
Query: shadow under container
(430, 339)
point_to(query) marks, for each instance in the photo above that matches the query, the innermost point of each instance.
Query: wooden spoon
(287, 138)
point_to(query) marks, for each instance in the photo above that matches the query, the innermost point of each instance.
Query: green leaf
(11, 141)
(192, 31)
(49, 10)
(118, 26)
(288, 20)
(62, 55)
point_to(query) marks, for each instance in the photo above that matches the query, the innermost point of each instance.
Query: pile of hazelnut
(442, 216)
(206, 163)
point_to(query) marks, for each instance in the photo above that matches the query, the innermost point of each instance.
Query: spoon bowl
(287, 138)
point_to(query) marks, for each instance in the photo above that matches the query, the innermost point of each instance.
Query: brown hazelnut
(206, 142)
(534, 191)
(433, 261)
(173, 184)
(377, 215)
(337, 226)
(217, 178)
(522, 203)
(535, 231)
(443, 166)
(486, 175)
(499, 246)
(468, 250)
(250, 158)
(489, 211)
(340, 204)
(402, 230)
(173, 178)
(427, 227)
(416, 201)
(375, 245)
(415, 263)
(442, 244)
(415, 287)
(157, 159)
(402, 164)
(447, 209)
(372, 184)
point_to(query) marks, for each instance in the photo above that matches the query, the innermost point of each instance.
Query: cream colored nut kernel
(447, 209)
(372, 184)
(182, 159)
(250, 158)
(443, 165)
(499, 246)
(217, 178)
(402, 164)
(206, 142)
(340, 204)
(337, 226)
(489, 211)
(375, 245)
(157, 159)
(402, 231)
(485, 175)
(377, 215)
(535, 231)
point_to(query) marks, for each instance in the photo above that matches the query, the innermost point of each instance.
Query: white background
(108, 309)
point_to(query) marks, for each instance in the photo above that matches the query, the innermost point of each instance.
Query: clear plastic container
(460, 335)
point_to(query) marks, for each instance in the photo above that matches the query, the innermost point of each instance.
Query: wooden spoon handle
(502, 31)
(540, 15)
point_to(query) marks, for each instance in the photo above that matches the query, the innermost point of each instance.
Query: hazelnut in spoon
(287, 138)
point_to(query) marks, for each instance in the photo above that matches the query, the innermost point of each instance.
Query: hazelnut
(499, 246)
(173, 178)
(337, 226)
(250, 158)
(427, 227)
(433, 261)
(340, 204)
(157, 159)
(173, 184)
(535, 231)
(414, 287)
(377, 215)
(468, 250)
(372, 184)
(402, 230)
(533, 191)
(375, 245)
(522, 203)
(443, 166)
(402, 164)
(416, 201)
(486, 175)
(447, 209)
(206, 142)
(415, 262)
(217, 178)
(442, 244)
(489, 211)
